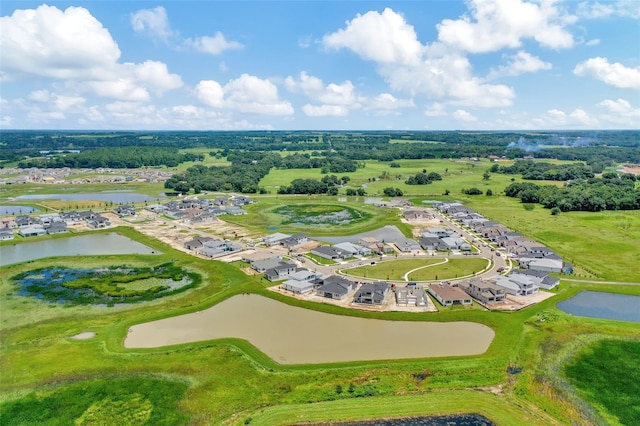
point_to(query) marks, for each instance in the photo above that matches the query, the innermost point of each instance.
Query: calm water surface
(113, 196)
(292, 335)
(595, 304)
(4, 210)
(82, 245)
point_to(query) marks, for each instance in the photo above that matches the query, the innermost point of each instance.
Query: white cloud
(593, 42)
(520, 63)
(60, 102)
(156, 76)
(558, 119)
(153, 22)
(248, 94)
(436, 109)
(620, 112)
(496, 24)
(596, 10)
(435, 72)
(381, 37)
(616, 74)
(71, 45)
(53, 43)
(210, 93)
(213, 45)
(325, 110)
(462, 115)
(386, 101)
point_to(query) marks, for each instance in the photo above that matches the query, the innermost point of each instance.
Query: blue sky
(320, 65)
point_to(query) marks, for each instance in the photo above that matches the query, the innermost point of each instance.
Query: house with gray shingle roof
(372, 294)
(335, 287)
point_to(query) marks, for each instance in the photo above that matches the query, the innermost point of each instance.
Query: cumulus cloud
(247, 93)
(53, 43)
(616, 74)
(496, 24)
(153, 22)
(73, 46)
(60, 102)
(436, 109)
(432, 71)
(620, 112)
(520, 63)
(213, 45)
(386, 101)
(462, 115)
(325, 110)
(381, 37)
(555, 118)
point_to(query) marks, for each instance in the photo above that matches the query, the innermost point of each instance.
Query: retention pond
(596, 304)
(82, 245)
(292, 335)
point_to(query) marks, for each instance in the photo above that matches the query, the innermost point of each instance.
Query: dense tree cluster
(423, 178)
(472, 191)
(393, 192)
(611, 192)
(328, 185)
(129, 157)
(533, 170)
(242, 176)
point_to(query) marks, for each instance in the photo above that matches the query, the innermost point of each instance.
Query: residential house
(280, 271)
(56, 228)
(411, 295)
(541, 278)
(485, 291)
(329, 252)
(263, 265)
(196, 243)
(433, 244)
(448, 295)
(372, 294)
(125, 210)
(98, 222)
(33, 230)
(407, 245)
(217, 248)
(6, 234)
(335, 287)
(274, 239)
(294, 241)
(352, 249)
(516, 285)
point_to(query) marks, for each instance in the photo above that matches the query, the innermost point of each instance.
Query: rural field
(532, 373)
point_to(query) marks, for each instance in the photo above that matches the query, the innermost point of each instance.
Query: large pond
(5, 210)
(595, 304)
(107, 196)
(293, 335)
(82, 245)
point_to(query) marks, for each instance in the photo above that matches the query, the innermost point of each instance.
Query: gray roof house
(262, 265)
(353, 249)
(328, 252)
(432, 243)
(412, 295)
(372, 294)
(335, 287)
(280, 271)
(275, 238)
(56, 228)
(485, 291)
(6, 234)
(31, 230)
(196, 242)
(407, 245)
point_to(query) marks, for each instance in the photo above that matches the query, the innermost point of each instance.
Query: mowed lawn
(423, 269)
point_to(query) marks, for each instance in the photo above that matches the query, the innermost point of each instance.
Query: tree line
(610, 192)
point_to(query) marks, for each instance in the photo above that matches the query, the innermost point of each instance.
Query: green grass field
(423, 269)
(47, 375)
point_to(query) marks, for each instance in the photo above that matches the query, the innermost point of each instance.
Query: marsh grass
(606, 374)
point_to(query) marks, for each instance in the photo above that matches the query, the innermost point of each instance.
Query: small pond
(387, 233)
(596, 304)
(320, 214)
(5, 210)
(453, 420)
(293, 335)
(82, 245)
(107, 196)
